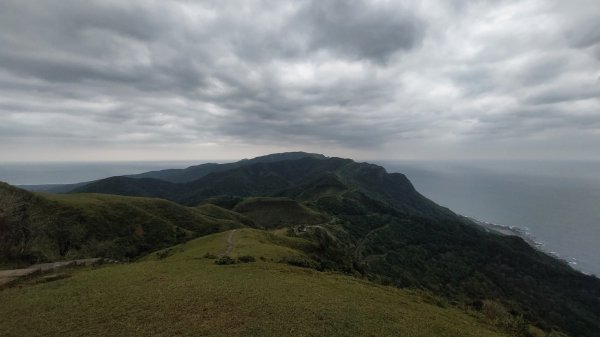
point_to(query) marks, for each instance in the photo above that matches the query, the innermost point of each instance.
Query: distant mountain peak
(286, 156)
(198, 171)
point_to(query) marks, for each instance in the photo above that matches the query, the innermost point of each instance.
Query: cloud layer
(179, 80)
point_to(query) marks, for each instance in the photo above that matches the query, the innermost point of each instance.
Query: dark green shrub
(164, 253)
(246, 259)
(210, 256)
(300, 262)
(223, 260)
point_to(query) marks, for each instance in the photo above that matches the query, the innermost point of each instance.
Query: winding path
(9, 277)
(229, 243)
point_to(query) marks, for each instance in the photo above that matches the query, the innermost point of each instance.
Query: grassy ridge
(44, 227)
(186, 295)
(271, 246)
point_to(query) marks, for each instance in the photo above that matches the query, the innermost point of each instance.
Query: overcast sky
(166, 80)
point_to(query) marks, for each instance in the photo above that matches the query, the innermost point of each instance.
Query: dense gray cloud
(176, 79)
(359, 30)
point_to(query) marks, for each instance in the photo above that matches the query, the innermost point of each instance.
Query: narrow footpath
(229, 243)
(10, 277)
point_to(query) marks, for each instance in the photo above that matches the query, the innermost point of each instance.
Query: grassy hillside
(39, 227)
(378, 226)
(269, 212)
(185, 294)
(457, 260)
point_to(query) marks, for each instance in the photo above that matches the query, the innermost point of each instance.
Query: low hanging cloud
(431, 78)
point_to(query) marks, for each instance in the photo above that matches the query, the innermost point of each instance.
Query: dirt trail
(229, 243)
(9, 277)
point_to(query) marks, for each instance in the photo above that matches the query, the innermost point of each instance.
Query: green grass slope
(39, 227)
(185, 294)
(269, 212)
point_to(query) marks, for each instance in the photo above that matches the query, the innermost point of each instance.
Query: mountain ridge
(363, 221)
(273, 179)
(178, 175)
(195, 172)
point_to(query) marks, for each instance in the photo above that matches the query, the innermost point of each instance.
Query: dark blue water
(557, 202)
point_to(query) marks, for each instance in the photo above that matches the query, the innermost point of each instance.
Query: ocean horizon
(553, 203)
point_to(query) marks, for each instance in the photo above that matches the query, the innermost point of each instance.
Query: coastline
(526, 235)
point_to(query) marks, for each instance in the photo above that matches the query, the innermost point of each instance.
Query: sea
(555, 204)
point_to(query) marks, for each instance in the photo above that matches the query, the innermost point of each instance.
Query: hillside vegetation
(277, 212)
(281, 178)
(38, 228)
(360, 220)
(185, 294)
(198, 171)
